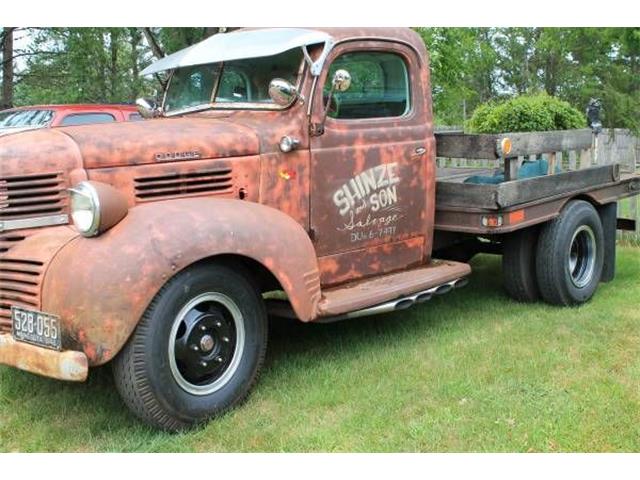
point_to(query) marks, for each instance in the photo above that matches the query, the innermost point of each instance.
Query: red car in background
(45, 116)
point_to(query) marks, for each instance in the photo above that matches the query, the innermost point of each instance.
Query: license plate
(37, 328)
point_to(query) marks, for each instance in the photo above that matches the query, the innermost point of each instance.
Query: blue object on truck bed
(529, 169)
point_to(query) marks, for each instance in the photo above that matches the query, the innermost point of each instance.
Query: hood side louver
(218, 181)
(28, 196)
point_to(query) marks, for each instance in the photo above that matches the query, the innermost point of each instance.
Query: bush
(526, 113)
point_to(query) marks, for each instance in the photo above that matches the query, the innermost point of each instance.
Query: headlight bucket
(96, 207)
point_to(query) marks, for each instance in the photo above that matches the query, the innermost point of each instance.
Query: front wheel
(197, 350)
(570, 255)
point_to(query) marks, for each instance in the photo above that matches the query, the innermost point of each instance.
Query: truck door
(369, 166)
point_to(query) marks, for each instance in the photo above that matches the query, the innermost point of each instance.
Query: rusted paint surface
(38, 151)
(376, 260)
(65, 365)
(152, 140)
(22, 267)
(238, 178)
(112, 278)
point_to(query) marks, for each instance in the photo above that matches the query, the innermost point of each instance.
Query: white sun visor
(244, 44)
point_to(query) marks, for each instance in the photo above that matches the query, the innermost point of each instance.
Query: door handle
(420, 151)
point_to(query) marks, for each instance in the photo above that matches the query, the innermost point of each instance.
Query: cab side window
(379, 86)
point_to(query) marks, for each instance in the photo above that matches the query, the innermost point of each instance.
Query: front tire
(197, 350)
(570, 255)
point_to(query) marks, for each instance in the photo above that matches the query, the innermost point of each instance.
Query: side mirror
(282, 92)
(148, 107)
(341, 81)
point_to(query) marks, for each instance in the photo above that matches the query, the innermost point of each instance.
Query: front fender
(101, 286)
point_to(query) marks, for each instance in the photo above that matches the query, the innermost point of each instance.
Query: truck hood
(121, 144)
(161, 140)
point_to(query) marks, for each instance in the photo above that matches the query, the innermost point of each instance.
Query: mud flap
(608, 217)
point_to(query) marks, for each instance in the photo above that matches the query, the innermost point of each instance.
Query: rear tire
(570, 255)
(197, 350)
(519, 265)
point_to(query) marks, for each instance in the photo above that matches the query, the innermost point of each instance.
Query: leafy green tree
(462, 70)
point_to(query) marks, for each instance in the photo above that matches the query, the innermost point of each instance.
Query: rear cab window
(379, 86)
(87, 118)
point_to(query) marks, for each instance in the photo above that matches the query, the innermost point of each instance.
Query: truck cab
(296, 161)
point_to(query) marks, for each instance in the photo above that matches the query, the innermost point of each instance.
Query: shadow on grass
(290, 338)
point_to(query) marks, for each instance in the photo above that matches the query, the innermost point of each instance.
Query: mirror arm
(327, 106)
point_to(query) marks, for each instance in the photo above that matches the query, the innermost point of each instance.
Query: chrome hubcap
(206, 343)
(582, 256)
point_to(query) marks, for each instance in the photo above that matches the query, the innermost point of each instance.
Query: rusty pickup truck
(295, 161)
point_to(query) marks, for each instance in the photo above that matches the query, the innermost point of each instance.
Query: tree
(6, 42)
(469, 66)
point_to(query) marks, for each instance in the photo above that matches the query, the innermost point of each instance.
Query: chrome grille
(180, 184)
(27, 196)
(19, 286)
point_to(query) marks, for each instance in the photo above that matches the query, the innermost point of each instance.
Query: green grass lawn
(470, 371)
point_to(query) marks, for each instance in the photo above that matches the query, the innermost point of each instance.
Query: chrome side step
(281, 308)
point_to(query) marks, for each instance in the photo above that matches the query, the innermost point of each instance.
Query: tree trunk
(135, 70)
(153, 43)
(113, 68)
(7, 68)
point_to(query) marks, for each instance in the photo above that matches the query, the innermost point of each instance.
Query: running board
(400, 303)
(384, 293)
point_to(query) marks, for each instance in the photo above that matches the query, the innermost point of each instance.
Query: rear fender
(101, 286)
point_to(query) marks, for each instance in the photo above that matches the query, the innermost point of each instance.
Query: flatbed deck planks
(452, 192)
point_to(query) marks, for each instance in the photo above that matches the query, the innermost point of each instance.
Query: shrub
(526, 113)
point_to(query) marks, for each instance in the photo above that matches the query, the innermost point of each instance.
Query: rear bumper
(68, 365)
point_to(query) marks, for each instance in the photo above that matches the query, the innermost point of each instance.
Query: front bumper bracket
(67, 365)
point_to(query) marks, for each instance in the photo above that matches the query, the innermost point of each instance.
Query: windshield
(25, 118)
(236, 83)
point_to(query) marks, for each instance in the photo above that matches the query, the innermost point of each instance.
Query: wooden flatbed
(482, 209)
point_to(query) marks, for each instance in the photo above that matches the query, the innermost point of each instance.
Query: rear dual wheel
(561, 262)
(197, 350)
(570, 255)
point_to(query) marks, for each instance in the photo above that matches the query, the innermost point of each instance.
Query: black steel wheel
(570, 255)
(206, 343)
(197, 350)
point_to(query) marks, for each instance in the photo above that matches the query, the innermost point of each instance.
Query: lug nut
(225, 339)
(219, 359)
(194, 348)
(218, 324)
(203, 328)
(203, 364)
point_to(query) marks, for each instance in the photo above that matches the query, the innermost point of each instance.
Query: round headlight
(96, 207)
(85, 209)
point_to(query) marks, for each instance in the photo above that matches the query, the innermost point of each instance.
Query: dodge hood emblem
(171, 156)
